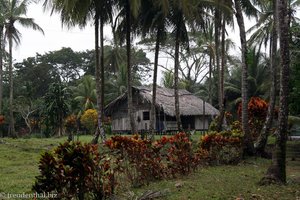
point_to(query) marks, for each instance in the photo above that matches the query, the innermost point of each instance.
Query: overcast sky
(57, 36)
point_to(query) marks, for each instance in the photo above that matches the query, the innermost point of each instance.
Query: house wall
(120, 119)
(200, 125)
(121, 123)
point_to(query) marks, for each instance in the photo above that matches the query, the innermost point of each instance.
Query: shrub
(138, 160)
(89, 120)
(71, 126)
(213, 126)
(71, 123)
(224, 147)
(2, 119)
(257, 110)
(179, 154)
(143, 161)
(74, 170)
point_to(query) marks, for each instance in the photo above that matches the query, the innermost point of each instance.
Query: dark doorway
(188, 122)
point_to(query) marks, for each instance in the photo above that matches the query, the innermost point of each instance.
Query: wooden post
(203, 115)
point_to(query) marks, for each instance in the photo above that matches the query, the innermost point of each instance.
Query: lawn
(19, 165)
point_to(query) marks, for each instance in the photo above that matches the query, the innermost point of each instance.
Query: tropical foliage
(79, 171)
(48, 88)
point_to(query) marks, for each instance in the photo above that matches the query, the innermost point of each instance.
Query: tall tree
(103, 11)
(263, 137)
(78, 13)
(153, 20)
(248, 142)
(99, 130)
(179, 10)
(56, 107)
(277, 171)
(85, 93)
(16, 11)
(223, 15)
(3, 9)
(129, 10)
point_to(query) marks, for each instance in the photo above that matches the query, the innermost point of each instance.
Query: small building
(195, 113)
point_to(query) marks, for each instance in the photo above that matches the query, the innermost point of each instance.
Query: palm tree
(277, 171)
(168, 79)
(209, 46)
(3, 9)
(16, 11)
(179, 10)
(273, 38)
(56, 106)
(153, 19)
(129, 10)
(78, 13)
(85, 93)
(222, 11)
(239, 4)
(266, 33)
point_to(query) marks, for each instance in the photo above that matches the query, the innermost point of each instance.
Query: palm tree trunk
(129, 84)
(210, 81)
(248, 141)
(176, 69)
(277, 171)
(1, 68)
(99, 130)
(221, 78)
(263, 137)
(11, 91)
(102, 68)
(1, 73)
(217, 45)
(153, 114)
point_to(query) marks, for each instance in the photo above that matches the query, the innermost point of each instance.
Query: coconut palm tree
(269, 33)
(3, 9)
(17, 9)
(57, 106)
(153, 20)
(168, 79)
(277, 171)
(85, 93)
(265, 33)
(179, 12)
(79, 13)
(249, 9)
(129, 11)
(209, 47)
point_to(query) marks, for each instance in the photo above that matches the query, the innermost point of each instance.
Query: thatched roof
(189, 104)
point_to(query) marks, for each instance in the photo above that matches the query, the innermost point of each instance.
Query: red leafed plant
(180, 156)
(138, 160)
(147, 161)
(2, 119)
(74, 170)
(257, 110)
(223, 147)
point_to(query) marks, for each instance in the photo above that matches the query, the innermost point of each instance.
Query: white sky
(55, 36)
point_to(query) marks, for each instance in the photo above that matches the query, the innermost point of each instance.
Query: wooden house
(195, 113)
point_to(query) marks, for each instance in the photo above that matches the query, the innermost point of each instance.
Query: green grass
(229, 182)
(19, 161)
(19, 165)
